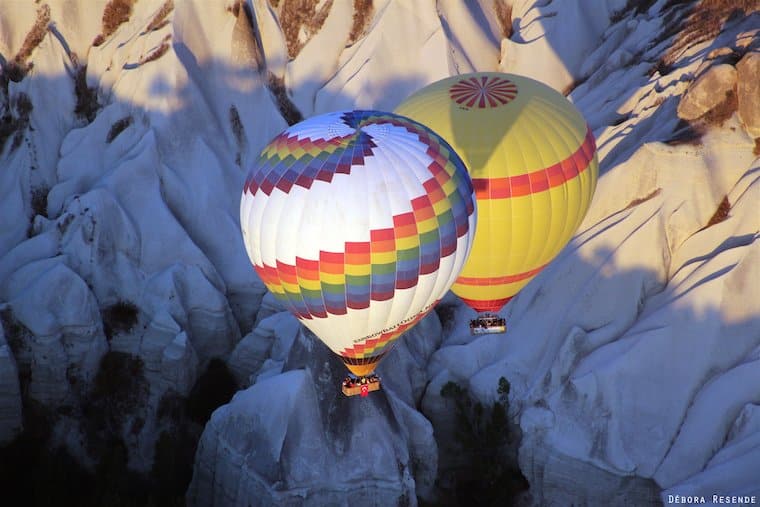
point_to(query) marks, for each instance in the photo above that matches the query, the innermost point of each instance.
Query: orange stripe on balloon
(538, 181)
(498, 280)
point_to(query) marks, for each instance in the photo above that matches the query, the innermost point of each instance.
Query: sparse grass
(720, 214)
(119, 317)
(159, 20)
(288, 110)
(362, 17)
(301, 15)
(504, 17)
(702, 24)
(115, 13)
(118, 127)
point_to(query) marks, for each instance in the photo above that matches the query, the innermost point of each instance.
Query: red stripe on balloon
(538, 181)
(498, 280)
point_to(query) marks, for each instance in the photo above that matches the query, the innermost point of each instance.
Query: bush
(486, 439)
(87, 105)
(705, 21)
(15, 120)
(446, 313)
(118, 389)
(39, 201)
(119, 317)
(214, 388)
(288, 110)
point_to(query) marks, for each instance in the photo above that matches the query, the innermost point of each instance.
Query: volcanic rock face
(295, 438)
(709, 91)
(123, 150)
(749, 92)
(10, 394)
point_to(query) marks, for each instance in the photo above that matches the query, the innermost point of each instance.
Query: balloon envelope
(532, 159)
(358, 222)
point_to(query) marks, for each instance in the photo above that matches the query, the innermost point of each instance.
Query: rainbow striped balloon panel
(358, 222)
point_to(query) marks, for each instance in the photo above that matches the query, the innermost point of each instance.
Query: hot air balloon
(358, 222)
(533, 163)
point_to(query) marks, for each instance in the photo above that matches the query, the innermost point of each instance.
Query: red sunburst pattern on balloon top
(483, 91)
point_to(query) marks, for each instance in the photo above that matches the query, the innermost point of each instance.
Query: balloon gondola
(358, 222)
(532, 160)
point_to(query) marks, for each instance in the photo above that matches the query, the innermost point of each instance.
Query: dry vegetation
(640, 200)
(703, 23)
(504, 16)
(239, 133)
(159, 51)
(38, 201)
(756, 151)
(362, 17)
(288, 110)
(35, 35)
(721, 213)
(159, 20)
(16, 68)
(115, 13)
(87, 104)
(15, 120)
(298, 16)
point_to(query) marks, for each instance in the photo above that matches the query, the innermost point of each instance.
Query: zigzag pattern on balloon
(395, 257)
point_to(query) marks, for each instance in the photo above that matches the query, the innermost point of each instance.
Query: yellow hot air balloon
(532, 159)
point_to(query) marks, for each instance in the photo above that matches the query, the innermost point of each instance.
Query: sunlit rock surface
(631, 357)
